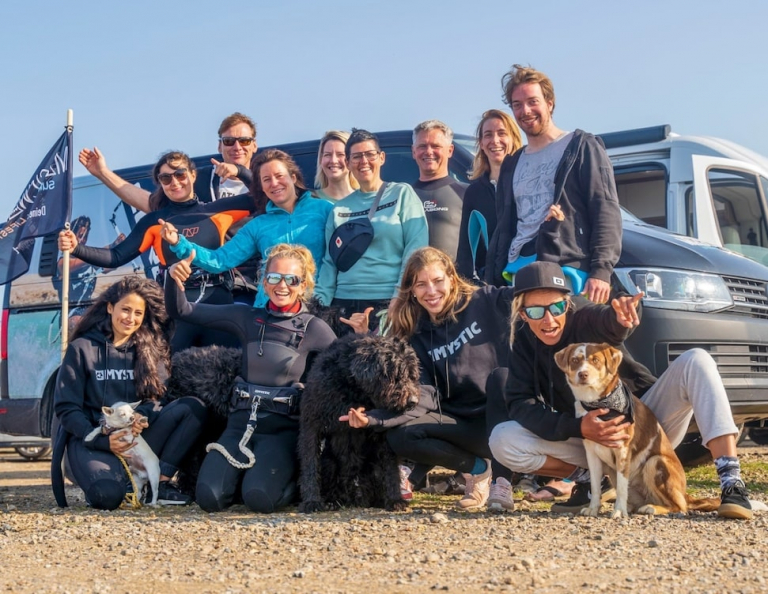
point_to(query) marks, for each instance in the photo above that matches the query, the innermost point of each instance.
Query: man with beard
(557, 195)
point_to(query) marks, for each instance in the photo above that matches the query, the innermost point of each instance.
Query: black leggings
(270, 483)
(440, 440)
(188, 335)
(101, 475)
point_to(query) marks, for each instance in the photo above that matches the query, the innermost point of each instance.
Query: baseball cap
(540, 275)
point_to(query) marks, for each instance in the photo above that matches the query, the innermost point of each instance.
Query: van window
(739, 201)
(642, 191)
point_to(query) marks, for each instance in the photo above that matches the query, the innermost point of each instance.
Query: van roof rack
(636, 136)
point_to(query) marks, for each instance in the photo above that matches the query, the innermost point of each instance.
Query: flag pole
(65, 273)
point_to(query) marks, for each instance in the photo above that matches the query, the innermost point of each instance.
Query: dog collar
(619, 402)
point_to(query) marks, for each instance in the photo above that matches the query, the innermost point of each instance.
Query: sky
(145, 77)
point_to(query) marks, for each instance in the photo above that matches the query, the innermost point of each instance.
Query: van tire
(33, 452)
(692, 452)
(759, 435)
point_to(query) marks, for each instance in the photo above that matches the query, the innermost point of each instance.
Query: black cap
(540, 275)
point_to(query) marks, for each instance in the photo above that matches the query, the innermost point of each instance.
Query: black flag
(43, 208)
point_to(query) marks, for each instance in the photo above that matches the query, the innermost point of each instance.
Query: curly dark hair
(151, 339)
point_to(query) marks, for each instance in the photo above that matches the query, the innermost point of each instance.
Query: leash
(132, 500)
(249, 429)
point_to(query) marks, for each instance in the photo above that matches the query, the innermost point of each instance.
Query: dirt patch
(431, 547)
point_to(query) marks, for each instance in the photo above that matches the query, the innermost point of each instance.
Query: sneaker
(406, 489)
(477, 489)
(527, 484)
(582, 495)
(500, 498)
(169, 494)
(734, 502)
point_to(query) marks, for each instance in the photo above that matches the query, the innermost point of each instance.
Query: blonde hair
(300, 254)
(406, 311)
(517, 306)
(321, 180)
(480, 165)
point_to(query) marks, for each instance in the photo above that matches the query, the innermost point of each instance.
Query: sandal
(549, 492)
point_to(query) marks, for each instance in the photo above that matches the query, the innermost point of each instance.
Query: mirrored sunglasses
(274, 278)
(179, 174)
(231, 140)
(536, 312)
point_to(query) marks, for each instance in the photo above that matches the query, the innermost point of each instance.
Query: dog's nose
(583, 375)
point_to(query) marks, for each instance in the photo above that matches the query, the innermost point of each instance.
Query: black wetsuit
(206, 225)
(278, 349)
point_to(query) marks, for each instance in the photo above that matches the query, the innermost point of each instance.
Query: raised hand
(358, 321)
(169, 232)
(224, 170)
(181, 270)
(356, 418)
(626, 310)
(93, 161)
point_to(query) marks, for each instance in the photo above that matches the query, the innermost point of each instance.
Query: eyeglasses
(274, 278)
(537, 312)
(369, 156)
(179, 174)
(231, 140)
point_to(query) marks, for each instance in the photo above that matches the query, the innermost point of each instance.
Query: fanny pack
(283, 401)
(350, 240)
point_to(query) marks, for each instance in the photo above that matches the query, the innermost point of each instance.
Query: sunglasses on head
(274, 278)
(231, 140)
(179, 174)
(537, 312)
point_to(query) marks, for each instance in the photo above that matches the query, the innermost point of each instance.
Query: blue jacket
(304, 226)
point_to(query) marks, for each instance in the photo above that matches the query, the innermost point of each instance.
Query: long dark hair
(259, 196)
(151, 339)
(158, 199)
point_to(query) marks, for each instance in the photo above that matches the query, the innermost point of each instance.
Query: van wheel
(759, 435)
(33, 452)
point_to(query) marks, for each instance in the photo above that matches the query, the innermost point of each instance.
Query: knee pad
(105, 494)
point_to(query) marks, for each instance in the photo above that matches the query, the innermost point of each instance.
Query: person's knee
(697, 358)
(504, 445)
(209, 499)
(259, 501)
(105, 494)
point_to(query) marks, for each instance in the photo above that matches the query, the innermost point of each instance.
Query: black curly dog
(341, 466)
(209, 374)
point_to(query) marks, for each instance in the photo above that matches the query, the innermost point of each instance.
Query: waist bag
(350, 240)
(283, 401)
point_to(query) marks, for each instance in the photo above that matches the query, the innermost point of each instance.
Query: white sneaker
(500, 498)
(477, 489)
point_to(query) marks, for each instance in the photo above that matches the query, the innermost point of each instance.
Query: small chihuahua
(142, 461)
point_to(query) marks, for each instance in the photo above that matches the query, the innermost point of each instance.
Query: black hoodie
(94, 373)
(456, 359)
(537, 394)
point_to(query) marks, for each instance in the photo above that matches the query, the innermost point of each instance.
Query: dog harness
(619, 401)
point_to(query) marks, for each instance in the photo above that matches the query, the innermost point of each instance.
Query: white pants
(691, 385)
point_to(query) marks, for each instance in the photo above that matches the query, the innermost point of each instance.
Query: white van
(703, 187)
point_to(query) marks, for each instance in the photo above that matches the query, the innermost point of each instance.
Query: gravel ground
(429, 548)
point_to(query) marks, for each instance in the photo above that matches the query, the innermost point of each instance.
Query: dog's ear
(107, 410)
(135, 405)
(562, 356)
(613, 358)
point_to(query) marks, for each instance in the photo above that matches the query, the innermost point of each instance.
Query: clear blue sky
(144, 77)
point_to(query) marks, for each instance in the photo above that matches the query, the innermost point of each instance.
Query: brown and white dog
(645, 470)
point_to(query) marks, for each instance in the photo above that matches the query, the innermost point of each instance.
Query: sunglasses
(369, 155)
(537, 312)
(179, 174)
(231, 140)
(291, 280)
